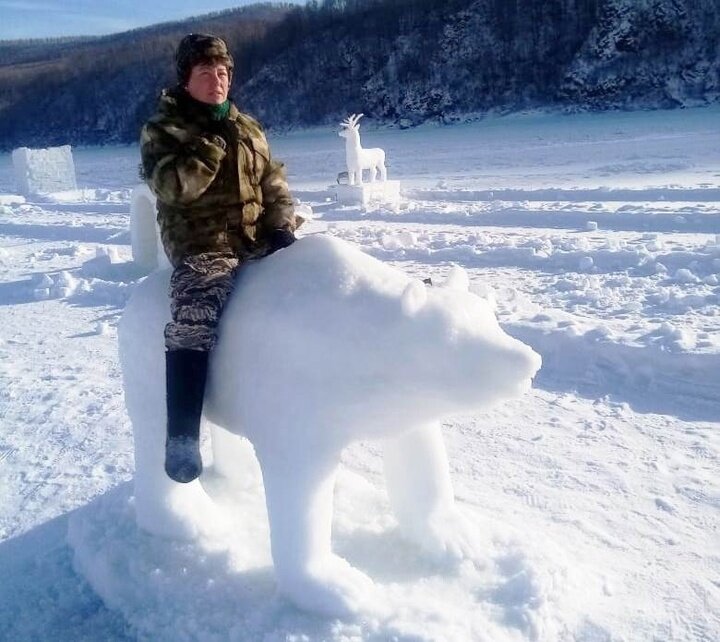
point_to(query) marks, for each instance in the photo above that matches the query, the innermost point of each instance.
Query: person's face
(209, 83)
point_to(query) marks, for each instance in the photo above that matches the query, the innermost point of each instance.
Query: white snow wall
(43, 171)
(147, 247)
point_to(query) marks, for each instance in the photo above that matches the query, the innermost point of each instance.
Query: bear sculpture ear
(458, 279)
(413, 298)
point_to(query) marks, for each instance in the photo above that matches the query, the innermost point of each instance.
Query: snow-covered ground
(597, 494)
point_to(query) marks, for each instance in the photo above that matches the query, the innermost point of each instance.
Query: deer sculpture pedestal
(381, 192)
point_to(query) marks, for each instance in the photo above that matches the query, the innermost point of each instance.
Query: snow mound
(11, 199)
(101, 280)
(221, 588)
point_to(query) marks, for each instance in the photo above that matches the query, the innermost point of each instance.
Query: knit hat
(201, 48)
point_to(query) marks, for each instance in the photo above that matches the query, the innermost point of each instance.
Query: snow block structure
(380, 192)
(322, 345)
(147, 250)
(43, 171)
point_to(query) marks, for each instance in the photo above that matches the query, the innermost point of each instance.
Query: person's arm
(279, 211)
(279, 218)
(179, 169)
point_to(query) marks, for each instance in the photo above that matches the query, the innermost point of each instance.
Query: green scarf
(219, 112)
(214, 112)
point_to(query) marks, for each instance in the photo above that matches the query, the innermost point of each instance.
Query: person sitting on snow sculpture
(221, 200)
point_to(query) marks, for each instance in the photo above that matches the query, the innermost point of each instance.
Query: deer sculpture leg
(383, 172)
(421, 494)
(299, 495)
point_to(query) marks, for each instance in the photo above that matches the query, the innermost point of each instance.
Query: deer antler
(351, 121)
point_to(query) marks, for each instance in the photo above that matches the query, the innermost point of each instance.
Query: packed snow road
(597, 495)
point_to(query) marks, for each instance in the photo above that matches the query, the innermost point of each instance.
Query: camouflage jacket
(217, 187)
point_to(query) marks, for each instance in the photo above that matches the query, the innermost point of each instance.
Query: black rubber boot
(185, 375)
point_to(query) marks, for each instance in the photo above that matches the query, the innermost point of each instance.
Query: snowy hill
(595, 496)
(400, 62)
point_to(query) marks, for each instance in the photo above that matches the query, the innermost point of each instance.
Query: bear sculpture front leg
(299, 494)
(421, 495)
(162, 506)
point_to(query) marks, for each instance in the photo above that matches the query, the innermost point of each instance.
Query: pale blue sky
(51, 18)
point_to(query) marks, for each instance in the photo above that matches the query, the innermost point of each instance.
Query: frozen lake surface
(597, 494)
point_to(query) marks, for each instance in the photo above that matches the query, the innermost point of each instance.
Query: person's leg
(199, 288)
(185, 375)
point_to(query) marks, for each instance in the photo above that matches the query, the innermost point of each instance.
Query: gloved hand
(219, 141)
(211, 148)
(279, 239)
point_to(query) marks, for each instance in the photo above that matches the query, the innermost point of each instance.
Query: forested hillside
(399, 61)
(100, 90)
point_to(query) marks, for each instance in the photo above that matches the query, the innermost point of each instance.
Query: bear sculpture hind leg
(299, 494)
(421, 495)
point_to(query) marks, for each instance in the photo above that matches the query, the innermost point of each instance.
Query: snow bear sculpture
(321, 345)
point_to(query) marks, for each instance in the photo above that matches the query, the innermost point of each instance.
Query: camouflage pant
(199, 287)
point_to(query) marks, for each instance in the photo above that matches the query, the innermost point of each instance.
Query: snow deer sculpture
(357, 158)
(322, 345)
